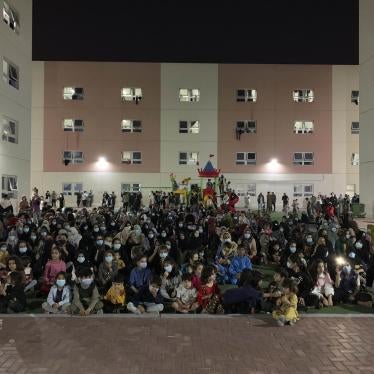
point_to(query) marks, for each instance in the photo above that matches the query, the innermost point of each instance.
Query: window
(355, 128)
(130, 125)
(131, 157)
(9, 130)
(350, 189)
(9, 186)
(245, 158)
(303, 190)
(10, 73)
(73, 157)
(246, 95)
(303, 96)
(191, 95)
(355, 97)
(74, 125)
(10, 17)
(189, 127)
(131, 94)
(303, 127)
(73, 93)
(355, 160)
(247, 126)
(188, 158)
(71, 188)
(130, 187)
(303, 158)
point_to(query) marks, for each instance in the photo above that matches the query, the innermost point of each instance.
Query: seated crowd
(160, 259)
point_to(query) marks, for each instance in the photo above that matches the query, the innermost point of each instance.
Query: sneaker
(292, 322)
(281, 321)
(100, 311)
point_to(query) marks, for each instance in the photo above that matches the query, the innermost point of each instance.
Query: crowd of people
(179, 259)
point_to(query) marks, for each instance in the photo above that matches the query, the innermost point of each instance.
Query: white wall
(367, 105)
(16, 104)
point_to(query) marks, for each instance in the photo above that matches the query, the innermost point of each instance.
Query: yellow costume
(116, 295)
(288, 308)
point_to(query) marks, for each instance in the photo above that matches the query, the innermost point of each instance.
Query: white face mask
(168, 268)
(163, 254)
(358, 245)
(247, 235)
(292, 249)
(80, 259)
(197, 234)
(168, 246)
(347, 269)
(109, 258)
(333, 229)
(180, 225)
(117, 246)
(163, 234)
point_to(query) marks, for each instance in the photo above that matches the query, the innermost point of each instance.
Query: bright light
(340, 261)
(273, 165)
(102, 159)
(102, 163)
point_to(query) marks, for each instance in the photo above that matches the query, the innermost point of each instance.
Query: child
(107, 270)
(274, 290)
(86, 299)
(148, 299)
(247, 296)
(58, 300)
(209, 295)
(186, 296)
(52, 268)
(324, 286)
(286, 312)
(196, 277)
(4, 254)
(238, 264)
(114, 300)
(118, 261)
(140, 275)
(12, 295)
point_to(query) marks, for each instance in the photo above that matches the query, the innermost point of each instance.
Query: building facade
(127, 126)
(15, 97)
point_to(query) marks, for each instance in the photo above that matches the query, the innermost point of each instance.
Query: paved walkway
(138, 345)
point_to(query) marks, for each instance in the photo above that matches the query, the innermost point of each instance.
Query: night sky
(252, 31)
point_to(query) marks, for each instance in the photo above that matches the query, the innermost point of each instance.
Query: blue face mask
(22, 249)
(99, 242)
(86, 282)
(60, 282)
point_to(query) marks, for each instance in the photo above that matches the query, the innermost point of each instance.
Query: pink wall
(275, 113)
(102, 112)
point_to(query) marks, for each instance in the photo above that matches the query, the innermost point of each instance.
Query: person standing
(268, 202)
(285, 201)
(54, 198)
(61, 200)
(79, 198)
(260, 201)
(35, 205)
(273, 201)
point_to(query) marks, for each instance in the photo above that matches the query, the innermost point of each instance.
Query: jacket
(65, 296)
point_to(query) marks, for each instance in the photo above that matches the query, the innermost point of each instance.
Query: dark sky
(251, 31)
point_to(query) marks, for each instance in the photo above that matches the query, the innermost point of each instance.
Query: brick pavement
(206, 345)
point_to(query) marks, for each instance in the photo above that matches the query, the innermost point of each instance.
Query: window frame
(132, 94)
(301, 190)
(13, 17)
(73, 156)
(7, 122)
(355, 161)
(8, 75)
(132, 128)
(246, 160)
(250, 95)
(131, 187)
(303, 160)
(355, 97)
(131, 160)
(303, 129)
(189, 127)
(189, 160)
(244, 125)
(189, 95)
(12, 192)
(355, 131)
(76, 127)
(304, 98)
(73, 188)
(73, 95)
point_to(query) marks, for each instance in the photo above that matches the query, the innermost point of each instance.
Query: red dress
(206, 290)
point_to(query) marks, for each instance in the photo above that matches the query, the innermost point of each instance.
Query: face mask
(180, 225)
(138, 232)
(201, 255)
(358, 245)
(60, 282)
(201, 230)
(281, 229)
(309, 240)
(333, 229)
(43, 233)
(227, 240)
(33, 237)
(86, 282)
(108, 244)
(143, 265)
(96, 229)
(352, 255)
(197, 234)
(85, 227)
(23, 249)
(348, 236)
(168, 246)
(247, 236)
(54, 222)
(11, 237)
(347, 269)
(113, 224)
(108, 258)
(168, 268)
(80, 259)
(290, 223)
(292, 249)
(99, 242)
(67, 227)
(3, 248)
(117, 246)
(163, 254)
(26, 229)
(150, 236)
(163, 234)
